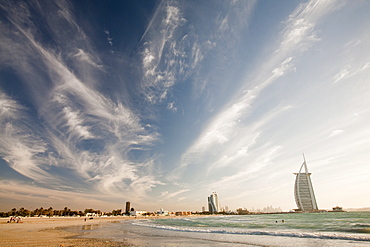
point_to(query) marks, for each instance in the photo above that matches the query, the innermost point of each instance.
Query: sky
(162, 103)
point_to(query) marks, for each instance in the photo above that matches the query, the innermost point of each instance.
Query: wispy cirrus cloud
(297, 36)
(348, 71)
(256, 164)
(213, 96)
(174, 50)
(19, 146)
(336, 132)
(109, 38)
(86, 57)
(74, 112)
(165, 196)
(163, 56)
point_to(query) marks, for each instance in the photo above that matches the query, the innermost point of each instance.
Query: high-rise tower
(213, 203)
(303, 190)
(127, 212)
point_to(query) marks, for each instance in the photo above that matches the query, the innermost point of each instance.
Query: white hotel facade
(303, 190)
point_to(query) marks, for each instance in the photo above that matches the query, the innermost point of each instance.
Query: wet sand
(50, 232)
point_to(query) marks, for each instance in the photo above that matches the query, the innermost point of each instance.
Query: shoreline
(124, 231)
(35, 231)
(53, 231)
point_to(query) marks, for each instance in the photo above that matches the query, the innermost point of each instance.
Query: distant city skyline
(162, 102)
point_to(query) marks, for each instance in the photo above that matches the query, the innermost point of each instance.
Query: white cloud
(73, 111)
(284, 67)
(255, 165)
(19, 146)
(9, 109)
(86, 57)
(336, 132)
(224, 23)
(66, 13)
(166, 195)
(109, 37)
(161, 56)
(299, 33)
(353, 43)
(240, 150)
(197, 55)
(342, 74)
(74, 127)
(171, 106)
(348, 71)
(297, 36)
(75, 123)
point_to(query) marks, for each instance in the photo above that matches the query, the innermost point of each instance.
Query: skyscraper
(213, 203)
(303, 190)
(127, 212)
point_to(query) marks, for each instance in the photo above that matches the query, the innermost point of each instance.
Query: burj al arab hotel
(303, 190)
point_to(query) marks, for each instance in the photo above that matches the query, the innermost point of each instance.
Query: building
(138, 213)
(182, 213)
(162, 212)
(127, 212)
(242, 211)
(213, 204)
(303, 190)
(337, 209)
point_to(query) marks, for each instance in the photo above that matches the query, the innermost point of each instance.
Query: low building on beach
(242, 211)
(138, 213)
(162, 212)
(182, 213)
(337, 209)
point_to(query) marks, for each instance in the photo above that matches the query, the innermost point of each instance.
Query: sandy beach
(174, 231)
(49, 232)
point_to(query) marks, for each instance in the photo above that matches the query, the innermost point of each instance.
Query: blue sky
(163, 103)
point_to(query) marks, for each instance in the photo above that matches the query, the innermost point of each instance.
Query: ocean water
(314, 229)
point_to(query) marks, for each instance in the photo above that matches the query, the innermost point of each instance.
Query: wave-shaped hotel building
(303, 190)
(213, 203)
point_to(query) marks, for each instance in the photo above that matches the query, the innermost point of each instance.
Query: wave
(361, 225)
(317, 235)
(359, 230)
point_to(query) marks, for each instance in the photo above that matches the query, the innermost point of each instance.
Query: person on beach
(15, 219)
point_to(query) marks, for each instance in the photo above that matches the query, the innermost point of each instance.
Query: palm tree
(21, 212)
(65, 211)
(50, 212)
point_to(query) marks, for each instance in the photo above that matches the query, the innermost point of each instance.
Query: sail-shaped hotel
(303, 190)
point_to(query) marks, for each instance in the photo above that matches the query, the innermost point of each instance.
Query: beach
(66, 231)
(350, 229)
(35, 231)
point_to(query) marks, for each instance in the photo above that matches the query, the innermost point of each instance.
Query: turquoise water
(345, 222)
(315, 229)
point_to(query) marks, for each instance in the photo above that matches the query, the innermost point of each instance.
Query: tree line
(50, 212)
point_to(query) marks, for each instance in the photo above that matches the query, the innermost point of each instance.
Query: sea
(293, 229)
